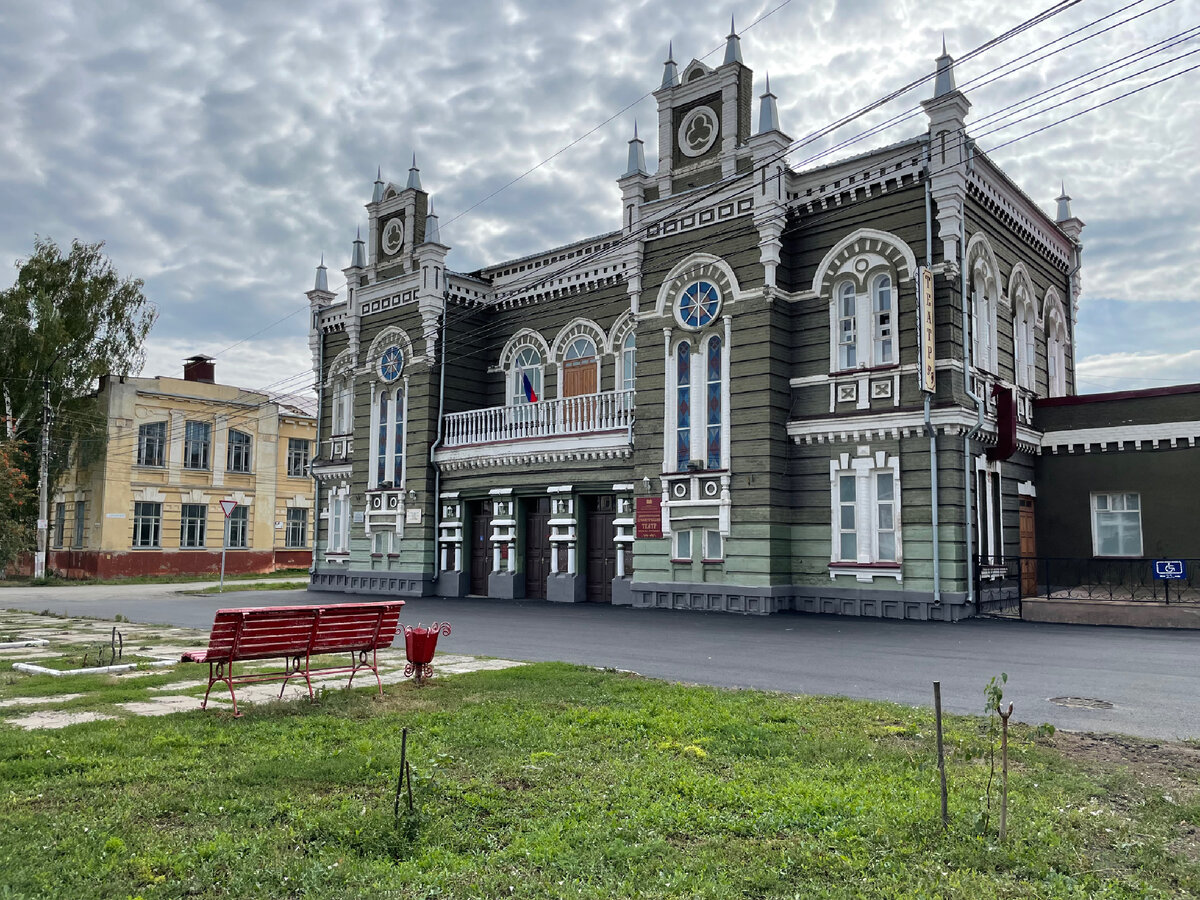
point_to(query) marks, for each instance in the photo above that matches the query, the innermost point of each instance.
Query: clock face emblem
(393, 237)
(698, 304)
(698, 131)
(390, 364)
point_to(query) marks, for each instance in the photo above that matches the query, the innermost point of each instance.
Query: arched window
(714, 403)
(526, 380)
(1024, 347)
(885, 320)
(387, 437)
(683, 406)
(847, 326)
(982, 318)
(629, 362)
(343, 407)
(1056, 359)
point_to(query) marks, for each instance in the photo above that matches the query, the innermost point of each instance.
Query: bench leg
(211, 682)
(232, 695)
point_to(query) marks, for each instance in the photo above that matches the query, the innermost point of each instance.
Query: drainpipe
(968, 475)
(312, 566)
(929, 430)
(437, 472)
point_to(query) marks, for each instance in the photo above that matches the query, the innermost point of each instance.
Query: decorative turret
(1068, 222)
(430, 258)
(414, 175)
(433, 234)
(358, 255)
(670, 73)
(949, 148)
(733, 45)
(322, 282)
(944, 82)
(377, 195)
(318, 298)
(637, 154)
(768, 113)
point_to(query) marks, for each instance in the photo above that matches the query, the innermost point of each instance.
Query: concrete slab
(37, 701)
(56, 719)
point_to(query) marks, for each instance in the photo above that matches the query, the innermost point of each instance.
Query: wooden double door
(481, 546)
(600, 561)
(537, 546)
(1028, 549)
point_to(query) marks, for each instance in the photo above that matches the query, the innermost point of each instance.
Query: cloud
(220, 148)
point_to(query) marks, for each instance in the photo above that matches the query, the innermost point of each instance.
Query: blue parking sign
(1169, 568)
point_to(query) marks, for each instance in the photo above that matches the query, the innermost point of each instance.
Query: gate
(998, 586)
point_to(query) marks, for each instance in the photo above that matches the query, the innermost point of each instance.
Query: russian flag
(530, 393)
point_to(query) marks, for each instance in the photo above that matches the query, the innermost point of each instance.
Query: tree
(66, 320)
(17, 502)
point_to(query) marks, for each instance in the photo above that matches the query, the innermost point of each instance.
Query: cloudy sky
(219, 148)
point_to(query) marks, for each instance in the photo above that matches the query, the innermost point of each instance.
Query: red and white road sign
(228, 506)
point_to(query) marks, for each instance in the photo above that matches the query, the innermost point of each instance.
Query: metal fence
(1000, 584)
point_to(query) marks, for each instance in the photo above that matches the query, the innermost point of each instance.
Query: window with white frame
(1024, 347)
(714, 545)
(1117, 524)
(629, 362)
(152, 442)
(1056, 362)
(296, 535)
(525, 377)
(682, 549)
(60, 523)
(193, 522)
(239, 528)
(866, 510)
(339, 523)
(297, 458)
(343, 406)
(989, 508)
(147, 524)
(865, 322)
(387, 437)
(80, 523)
(983, 325)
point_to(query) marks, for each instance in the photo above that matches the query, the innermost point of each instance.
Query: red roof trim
(1080, 399)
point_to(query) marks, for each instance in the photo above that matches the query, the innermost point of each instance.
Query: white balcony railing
(609, 411)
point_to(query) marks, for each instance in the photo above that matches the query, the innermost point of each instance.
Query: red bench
(297, 634)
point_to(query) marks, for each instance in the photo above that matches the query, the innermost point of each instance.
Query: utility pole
(43, 525)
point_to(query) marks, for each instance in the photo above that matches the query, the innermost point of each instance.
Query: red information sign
(648, 518)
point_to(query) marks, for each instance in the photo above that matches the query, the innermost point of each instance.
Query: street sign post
(1166, 569)
(227, 507)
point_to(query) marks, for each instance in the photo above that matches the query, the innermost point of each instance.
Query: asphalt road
(1149, 676)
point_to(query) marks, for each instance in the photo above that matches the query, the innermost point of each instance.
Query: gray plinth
(506, 585)
(453, 583)
(622, 591)
(562, 588)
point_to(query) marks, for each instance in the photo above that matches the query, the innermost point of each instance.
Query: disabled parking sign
(1169, 568)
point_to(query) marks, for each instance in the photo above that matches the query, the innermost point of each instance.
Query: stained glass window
(398, 447)
(683, 424)
(714, 403)
(382, 437)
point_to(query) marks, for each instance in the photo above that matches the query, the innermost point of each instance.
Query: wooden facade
(740, 355)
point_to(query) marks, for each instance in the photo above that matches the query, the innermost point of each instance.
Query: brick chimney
(198, 368)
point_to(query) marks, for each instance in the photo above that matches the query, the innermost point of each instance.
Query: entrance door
(601, 564)
(481, 546)
(537, 546)
(1028, 550)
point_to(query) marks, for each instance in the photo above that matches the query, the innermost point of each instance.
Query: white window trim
(560, 361)
(338, 515)
(627, 363)
(398, 390)
(720, 557)
(993, 525)
(515, 396)
(699, 379)
(343, 406)
(865, 466)
(1096, 531)
(677, 554)
(866, 321)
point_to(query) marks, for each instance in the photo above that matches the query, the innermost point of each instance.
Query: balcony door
(581, 376)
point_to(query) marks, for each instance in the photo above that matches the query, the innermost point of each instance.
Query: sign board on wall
(928, 371)
(412, 516)
(648, 517)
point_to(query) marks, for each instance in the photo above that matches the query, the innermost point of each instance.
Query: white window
(339, 523)
(629, 362)
(683, 545)
(388, 416)
(152, 440)
(865, 323)
(989, 521)
(983, 326)
(1056, 362)
(1116, 525)
(239, 527)
(297, 527)
(238, 454)
(147, 524)
(196, 444)
(714, 545)
(525, 381)
(343, 407)
(297, 458)
(193, 523)
(1024, 349)
(381, 543)
(866, 510)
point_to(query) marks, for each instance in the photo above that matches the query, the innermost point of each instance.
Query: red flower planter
(420, 643)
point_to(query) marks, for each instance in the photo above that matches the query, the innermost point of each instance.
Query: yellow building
(151, 502)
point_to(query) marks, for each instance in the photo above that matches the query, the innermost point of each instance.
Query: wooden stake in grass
(937, 709)
(400, 780)
(1004, 770)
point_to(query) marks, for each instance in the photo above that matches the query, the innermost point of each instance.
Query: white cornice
(608, 445)
(902, 424)
(1170, 434)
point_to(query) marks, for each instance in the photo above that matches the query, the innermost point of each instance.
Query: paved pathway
(1152, 677)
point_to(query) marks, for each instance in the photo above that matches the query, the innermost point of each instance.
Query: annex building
(149, 502)
(768, 388)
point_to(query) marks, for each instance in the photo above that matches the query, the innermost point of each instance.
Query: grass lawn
(558, 781)
(273, 586)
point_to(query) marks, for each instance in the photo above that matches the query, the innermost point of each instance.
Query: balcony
(592, 426)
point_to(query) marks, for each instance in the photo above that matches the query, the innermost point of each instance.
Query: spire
(433, 234)
(733, 45)
(670, 73)
(944, 83)
(414, 175)
(358, 258)
(1064, 205)
(378, 195)
(322, 282)
(637, 155)
(768, 113)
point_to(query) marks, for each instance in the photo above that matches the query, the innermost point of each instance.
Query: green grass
(557, 781)
(275, 586)
(55, 581)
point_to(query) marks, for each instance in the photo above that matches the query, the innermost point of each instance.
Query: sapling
(993, 693)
